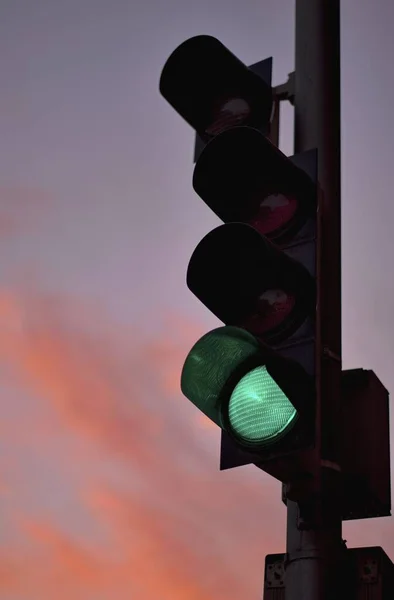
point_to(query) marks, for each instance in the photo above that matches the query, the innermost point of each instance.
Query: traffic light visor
(253, 394)
(212, 89)
(210, 364)
(244, 178)
(247, 282)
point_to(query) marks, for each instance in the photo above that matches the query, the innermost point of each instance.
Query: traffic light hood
(244, 388)
(246, 281)
(242, 177)
(212, 89)
(211, 363)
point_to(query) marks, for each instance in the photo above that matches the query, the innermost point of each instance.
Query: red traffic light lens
(228, 113)
(275, 214)
(273, 307)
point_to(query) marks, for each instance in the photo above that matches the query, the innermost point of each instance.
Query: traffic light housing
(258, 272)
(247, 389)
(256, 377)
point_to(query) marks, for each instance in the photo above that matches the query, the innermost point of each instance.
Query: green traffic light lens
(259, 412)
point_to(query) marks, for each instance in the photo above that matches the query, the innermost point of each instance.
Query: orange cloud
(206, 423)
(61, 567)
(175, 526)
(78, 374)
(146, 555)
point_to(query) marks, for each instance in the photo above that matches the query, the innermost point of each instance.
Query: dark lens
(275, 213)
(229, 113)
(273, 307)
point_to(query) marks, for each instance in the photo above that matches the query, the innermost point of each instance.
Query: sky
(109, 478)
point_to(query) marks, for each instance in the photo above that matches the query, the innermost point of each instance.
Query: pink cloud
(175, 525)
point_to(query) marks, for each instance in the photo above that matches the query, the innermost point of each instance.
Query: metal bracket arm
(286, 91)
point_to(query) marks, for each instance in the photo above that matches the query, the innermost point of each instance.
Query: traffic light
(213, 90)
(257, 273)
(255, 377)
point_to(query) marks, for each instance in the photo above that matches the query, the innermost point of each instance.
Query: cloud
(146, 568)
(172, 523)
(146, 555)
(109, 478)
(77, 373)
(110, 481)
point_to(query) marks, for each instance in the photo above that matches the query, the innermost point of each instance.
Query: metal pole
(314, 552)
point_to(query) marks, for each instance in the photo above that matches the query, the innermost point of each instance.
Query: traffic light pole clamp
(282, 92)
(286, 91)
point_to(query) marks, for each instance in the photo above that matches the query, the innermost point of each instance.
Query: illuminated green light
(259, 412)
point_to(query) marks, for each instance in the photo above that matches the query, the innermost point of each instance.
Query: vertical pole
(314, 543)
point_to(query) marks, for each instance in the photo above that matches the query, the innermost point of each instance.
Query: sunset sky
(109, 479)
